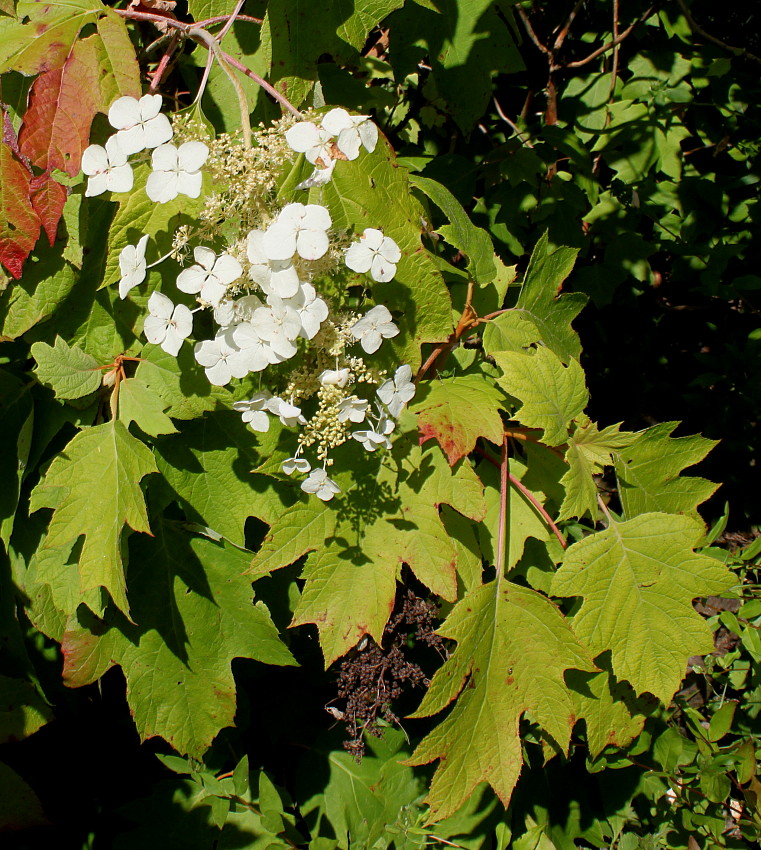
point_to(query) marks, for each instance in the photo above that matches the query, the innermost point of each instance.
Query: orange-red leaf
(19, 223)
(62, 104)
(48, 200)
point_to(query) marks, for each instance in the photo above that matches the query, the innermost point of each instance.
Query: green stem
(211, 42)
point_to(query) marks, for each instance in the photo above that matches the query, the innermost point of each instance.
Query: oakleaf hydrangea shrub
(271, 275)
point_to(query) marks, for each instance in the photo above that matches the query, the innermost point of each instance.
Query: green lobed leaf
(67, 370)
(648, 473)
(180, 382)
(513, 648)
(33, 299)
(119, 71)
(638, 579)
(540, 302)
(16, 424)
(589, 452)
(210, 464)
(457, 411)
(94, 490)
(374, 192)
(141, 405)
(473, 241)
(510, 331)
(465, 44)
(386, 516)
(551, 394)
(44, 42)
(22, 710)
(193, 613)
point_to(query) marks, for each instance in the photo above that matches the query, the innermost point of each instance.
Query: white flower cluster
(261, 290)
(140, 125)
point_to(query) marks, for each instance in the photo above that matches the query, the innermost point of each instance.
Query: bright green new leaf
(93, 487)
(513, 648)
(551, 394)
(589, 452)
(461, 233)
(510, 331)
(457, 411)
(648, 473)
(193, 613)
(540, 302)
(638, 579)
(140, 404)
(68, 371)
(375, 192)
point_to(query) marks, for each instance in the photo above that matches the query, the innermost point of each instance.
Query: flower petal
(192, 155)
(303, 136)
(124, 112)
(161, 186)
(312, 244)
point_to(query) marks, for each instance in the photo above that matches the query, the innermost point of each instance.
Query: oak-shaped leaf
(93, 486)
(551, 394)
(637, 580)
(513, 649)
(461, 233)
(193, 613)
(140, 404)
(67, 370)
(540, 300)
(457, 411)
(589, 452)
(387, 516)
(648, 473)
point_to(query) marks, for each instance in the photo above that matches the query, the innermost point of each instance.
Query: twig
(468, 320)
(614, 69)
(540, 507)
(530, 30)
(513, 127)
(209, 22)
(569, 20)
(206, 38)
(696, 28)
(209, 60)
(604, 509)
(612, 43)
(230, 60)
(230, 21)
(158, 74)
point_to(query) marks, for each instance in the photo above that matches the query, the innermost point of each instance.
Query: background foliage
(624, 132)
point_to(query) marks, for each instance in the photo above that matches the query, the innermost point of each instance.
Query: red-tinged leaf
(457, 411)
(41, 39)
(19, 223)
(62, 104)
(48, 201)
(119, 71)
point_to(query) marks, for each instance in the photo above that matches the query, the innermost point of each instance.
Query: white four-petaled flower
(373, 328)
(139, 122)
(352, 409)
(377, 436)
(254, 412)
(374, 253)
(211, 275)
(352, 131)
(299, 229)
(397, 391)
(132, 266)
(313, 141)
(107, 168)
(320, 485)
(167, 325)
(289, 414)
(176, 171)
(221, 358)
